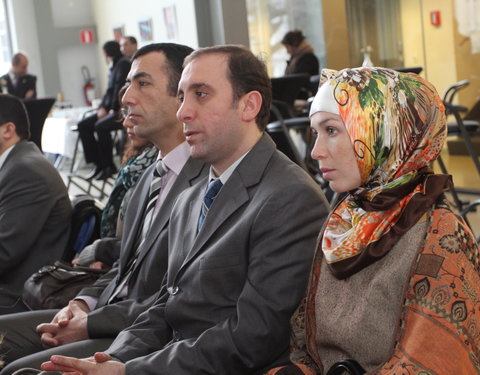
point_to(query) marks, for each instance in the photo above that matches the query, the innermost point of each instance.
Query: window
(5, 44)
(270, 20)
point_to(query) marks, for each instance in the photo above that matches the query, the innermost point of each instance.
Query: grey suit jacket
(231, 289)
(106, 320)
(35, 213)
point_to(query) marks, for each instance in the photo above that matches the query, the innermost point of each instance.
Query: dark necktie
(212, 191)
(155, 186)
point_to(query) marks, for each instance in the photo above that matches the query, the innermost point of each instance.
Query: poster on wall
(118, 32)
(145, 30)
(170, 19)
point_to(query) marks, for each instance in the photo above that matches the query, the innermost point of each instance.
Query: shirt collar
(228, 172)
(4, 156)
(176, 159)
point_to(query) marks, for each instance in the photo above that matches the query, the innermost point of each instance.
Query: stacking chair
(465, 130)
(85, 225)
(298, 149)
(38, 110)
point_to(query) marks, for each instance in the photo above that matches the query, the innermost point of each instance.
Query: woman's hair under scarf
(397, 125)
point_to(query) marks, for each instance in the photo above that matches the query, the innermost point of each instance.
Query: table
(57, 136)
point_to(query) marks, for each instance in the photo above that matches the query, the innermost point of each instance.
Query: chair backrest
(411, 69)
(288, 87)
(37, 110)
(451, 92)
(85, 226)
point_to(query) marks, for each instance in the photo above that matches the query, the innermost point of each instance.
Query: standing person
(240, 243)
(18, 81)
(302, 56)
(128, 46)
(99, 151)
(35, 210)
(91, 321)
(395, 282)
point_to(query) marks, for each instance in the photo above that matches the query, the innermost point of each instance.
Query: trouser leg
(86, 130)
(19, 335)
(103, 127)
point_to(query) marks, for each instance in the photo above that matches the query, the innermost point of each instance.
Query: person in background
(138, 155)
(35, 210)
(18, 81)
(128, 46)
(302, 56)
(99, 151)
(395, 283)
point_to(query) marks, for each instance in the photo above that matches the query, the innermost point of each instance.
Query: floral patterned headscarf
(397, 126)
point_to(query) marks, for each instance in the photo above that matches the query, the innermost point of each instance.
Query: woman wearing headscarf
(395, 284)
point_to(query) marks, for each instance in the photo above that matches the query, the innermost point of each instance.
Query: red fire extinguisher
(88, 87)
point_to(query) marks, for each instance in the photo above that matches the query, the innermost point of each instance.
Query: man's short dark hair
(175, 54)
(246, 73)
(131, 39)
(112, 49)
(13, 110)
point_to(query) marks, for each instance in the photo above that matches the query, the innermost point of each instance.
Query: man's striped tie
(213, 188)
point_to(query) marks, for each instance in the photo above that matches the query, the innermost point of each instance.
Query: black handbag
(53, 286)
(348, 366)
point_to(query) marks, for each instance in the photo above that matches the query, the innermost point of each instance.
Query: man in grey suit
(35, 209)
(91, 321)
(240, 250)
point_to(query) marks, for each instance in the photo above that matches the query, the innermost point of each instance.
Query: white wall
(127, 13)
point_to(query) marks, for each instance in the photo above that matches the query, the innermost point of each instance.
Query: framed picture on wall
(145, 30)
(118, 32)
(170, 19)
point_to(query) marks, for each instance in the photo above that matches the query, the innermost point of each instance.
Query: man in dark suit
(237, 267)
(35, 210)
(18, 82)
(91, 321)
(99, 150)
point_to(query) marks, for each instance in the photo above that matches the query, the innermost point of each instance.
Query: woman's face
(136, 141)
(334, 151)
(290, 49)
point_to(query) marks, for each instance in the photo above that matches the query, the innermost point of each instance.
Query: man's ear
(252, 101)
(8, 130)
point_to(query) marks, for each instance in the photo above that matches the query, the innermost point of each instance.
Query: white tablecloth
(57, 136)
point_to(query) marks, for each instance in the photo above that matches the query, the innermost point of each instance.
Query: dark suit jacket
(27, 82)
(35, 213)
(230, 291)
(109, 319)
(116, 79)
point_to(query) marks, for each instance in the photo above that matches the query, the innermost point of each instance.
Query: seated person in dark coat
(18, 82)
(99, 150)
(302, 57)
(35, 209)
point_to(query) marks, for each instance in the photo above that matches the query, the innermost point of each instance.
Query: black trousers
(98, 150)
